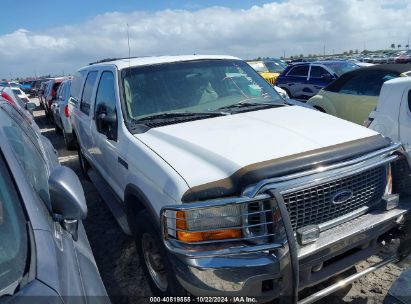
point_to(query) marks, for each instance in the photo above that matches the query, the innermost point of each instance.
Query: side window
(351, 86)
(76, 84)
(13, 234)
(67, 90)
(105, 102)
(60, 91)
(409, 100)
(30, 160)
(318, 72)
(88, 92)
(299, 70)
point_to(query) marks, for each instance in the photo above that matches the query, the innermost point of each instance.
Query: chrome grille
(314, 205)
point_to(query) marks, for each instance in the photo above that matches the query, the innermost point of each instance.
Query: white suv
(228, 190)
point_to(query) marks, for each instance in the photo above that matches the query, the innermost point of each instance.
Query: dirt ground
(117, 260)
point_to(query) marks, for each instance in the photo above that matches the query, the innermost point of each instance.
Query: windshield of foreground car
(192, 87)
(341, 67)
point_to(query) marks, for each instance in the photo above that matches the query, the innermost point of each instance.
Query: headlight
(215, 223)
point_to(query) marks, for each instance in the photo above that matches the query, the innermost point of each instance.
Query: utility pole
(324, 50)
(284, 53)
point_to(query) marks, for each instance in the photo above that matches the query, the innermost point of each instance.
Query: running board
(340, 284)
(111, 200)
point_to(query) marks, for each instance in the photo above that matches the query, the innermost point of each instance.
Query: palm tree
(393, 46)
(399, 46)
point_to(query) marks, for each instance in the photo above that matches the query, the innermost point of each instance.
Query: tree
(399, 46)
(393, 46)
(407, 46)
(356, 51)
(351, 51)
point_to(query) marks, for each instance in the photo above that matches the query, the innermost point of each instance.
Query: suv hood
(217, 153)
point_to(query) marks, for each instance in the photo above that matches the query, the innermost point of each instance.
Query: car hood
(210, 150)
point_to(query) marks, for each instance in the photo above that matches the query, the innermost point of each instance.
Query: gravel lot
(116, 257)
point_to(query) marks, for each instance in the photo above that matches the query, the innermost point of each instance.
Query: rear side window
(300, 70)
(318, 72)
(88, 92)
(13, 234)
(366, 85)
(409, 100)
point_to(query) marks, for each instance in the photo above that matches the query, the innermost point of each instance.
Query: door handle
(122, 162)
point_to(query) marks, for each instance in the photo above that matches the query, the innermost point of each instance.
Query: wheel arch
(136, 201)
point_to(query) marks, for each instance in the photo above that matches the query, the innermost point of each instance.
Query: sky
(56, 37)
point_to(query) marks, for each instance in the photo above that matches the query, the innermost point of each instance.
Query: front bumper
(264, 274)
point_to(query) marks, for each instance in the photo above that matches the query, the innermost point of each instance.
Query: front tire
(57, 129)
(69, 141)
(154, 258)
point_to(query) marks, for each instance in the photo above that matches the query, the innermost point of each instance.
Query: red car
(404, 58)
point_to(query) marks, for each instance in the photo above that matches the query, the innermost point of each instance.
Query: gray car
(61, 114)
(45, 255)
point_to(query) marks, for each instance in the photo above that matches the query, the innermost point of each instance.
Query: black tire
(287, 91)
(69, 142)
(57, 129)
(84, 165)
(144, 227)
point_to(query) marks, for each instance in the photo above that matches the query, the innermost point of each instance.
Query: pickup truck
(227, 189)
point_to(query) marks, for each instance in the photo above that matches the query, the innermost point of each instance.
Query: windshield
(274, 67)
(13, 235)
(341, 67)
(192, 87)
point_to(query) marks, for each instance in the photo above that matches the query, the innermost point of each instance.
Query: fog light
(390, 201)
(308, 234)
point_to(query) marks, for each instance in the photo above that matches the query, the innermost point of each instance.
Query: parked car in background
(14, 84)
(227, 190)
(354, 95)
(41, 91)
(44, 248)
(9, 94)
(61, 114)
(50, 94)
(19, 92)
(404, 57)
(303, 80)
(269, 69)
(391, 116)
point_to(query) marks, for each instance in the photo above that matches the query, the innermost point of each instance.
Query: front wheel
(154, 258)
(69, 141)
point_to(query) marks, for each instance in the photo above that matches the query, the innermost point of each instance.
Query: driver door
(104, 133)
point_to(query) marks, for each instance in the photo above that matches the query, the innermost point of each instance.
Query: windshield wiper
(252, 105)
(170, 115)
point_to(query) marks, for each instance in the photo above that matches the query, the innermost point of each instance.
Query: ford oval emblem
(342, 196)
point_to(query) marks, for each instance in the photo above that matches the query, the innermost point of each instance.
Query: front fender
(321, 102)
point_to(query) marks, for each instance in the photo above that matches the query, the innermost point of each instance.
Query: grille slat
(313, 206)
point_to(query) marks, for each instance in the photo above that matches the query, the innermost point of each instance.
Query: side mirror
(31, 106)
(107, 124)
(67, 198)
